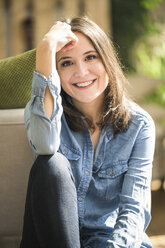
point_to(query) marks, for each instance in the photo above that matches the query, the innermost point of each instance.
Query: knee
(54, 166)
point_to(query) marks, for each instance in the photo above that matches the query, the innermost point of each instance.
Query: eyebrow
(67, 57)
(63, 58)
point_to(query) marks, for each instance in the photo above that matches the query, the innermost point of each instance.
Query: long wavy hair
(115, 104)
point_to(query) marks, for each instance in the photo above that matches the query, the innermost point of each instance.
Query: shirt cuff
(40, 82)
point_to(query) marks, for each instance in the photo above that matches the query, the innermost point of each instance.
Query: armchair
(15, 154)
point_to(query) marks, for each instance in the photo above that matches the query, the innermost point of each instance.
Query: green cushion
(16, 79)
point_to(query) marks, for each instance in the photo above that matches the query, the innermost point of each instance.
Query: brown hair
(115, 105)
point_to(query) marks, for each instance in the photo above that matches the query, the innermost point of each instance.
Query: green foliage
(150, 60)
(158, 96)
(163, 122)
(149, 56)
(148, 4)
(131, 20)
(140, 39)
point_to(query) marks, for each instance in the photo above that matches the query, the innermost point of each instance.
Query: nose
(81, 69)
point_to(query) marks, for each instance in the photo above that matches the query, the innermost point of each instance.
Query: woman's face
(82, 72)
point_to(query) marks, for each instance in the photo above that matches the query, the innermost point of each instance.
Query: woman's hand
(59, 37)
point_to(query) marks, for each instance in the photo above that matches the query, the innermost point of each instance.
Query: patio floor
(156, 229)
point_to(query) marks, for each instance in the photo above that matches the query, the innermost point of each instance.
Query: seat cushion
(16, 159)
(10, 241)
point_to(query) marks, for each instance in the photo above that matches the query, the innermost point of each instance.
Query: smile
(85, 84)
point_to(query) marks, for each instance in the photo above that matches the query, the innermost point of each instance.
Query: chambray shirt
(112, 182)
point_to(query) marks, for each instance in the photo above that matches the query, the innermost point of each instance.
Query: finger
(61, 25)
(68, 26)
(69, 45)
(74, 37)
(71, 36)
(72, 41)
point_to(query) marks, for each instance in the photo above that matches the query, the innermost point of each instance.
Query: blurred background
(137, 28)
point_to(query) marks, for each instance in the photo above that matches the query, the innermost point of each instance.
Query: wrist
(46, 46)
(45, 58)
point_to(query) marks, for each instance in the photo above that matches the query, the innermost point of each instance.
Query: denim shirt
(113, 182)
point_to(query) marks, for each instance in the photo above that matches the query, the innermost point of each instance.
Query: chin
(88, 100)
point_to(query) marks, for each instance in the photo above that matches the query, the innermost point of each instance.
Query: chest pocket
(69, 152)
(110, 180)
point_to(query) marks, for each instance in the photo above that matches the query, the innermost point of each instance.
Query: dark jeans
(51, 218)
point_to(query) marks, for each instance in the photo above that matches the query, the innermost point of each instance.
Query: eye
(90, 57)
(66, 63)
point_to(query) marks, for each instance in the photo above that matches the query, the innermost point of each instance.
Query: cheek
(64, 75)
(100, 70)
(62, 78)
(106, 78)
(65, 86)
(100, 67)
(103, 74)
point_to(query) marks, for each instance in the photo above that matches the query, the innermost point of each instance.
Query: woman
(90, 186)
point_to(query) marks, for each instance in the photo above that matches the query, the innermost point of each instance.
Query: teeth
(84, 84)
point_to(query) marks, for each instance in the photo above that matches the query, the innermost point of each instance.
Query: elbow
(45, 140)
(43, 148)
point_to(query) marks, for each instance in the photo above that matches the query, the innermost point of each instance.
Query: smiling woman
(89, 186)
(82, 73)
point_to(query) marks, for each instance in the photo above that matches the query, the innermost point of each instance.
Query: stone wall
(24, 22)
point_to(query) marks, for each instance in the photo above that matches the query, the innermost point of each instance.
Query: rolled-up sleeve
(135, 197)
(43, 132)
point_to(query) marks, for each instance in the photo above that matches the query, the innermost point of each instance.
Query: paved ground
(156, 229)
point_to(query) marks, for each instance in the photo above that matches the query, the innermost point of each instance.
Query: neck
(92, 109)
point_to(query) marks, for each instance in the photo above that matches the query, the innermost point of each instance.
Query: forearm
(45, 58)
(43, 113)
(43, 132)
(130, 225)
(45, 65)
(135, 197)
(48, 102)
(133, 219)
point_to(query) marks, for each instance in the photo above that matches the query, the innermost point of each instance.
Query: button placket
(87, 168)
(111, 172)
(87, 173)
(64, 151)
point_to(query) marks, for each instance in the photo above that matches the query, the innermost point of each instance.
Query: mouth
(84, 84)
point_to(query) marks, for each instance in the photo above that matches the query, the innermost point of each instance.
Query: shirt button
(79, 199)
(64, 151)
(87, 173)
(111, 172)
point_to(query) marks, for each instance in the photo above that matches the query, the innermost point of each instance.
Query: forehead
(83, 45)
(83, 38)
